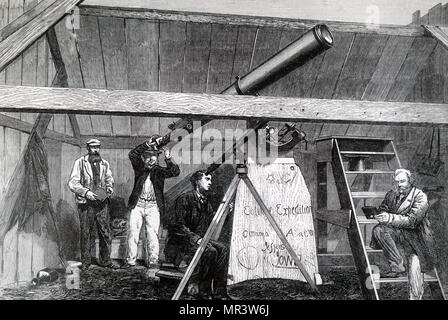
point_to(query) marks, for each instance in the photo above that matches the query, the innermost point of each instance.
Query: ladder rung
(426, 278)
(368, 194)
(370, 172)
(370, 250)
(170, 274)
(354, 138)
(369, 153)
(364, 220)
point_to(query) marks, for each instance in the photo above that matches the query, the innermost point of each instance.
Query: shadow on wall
(118, 208)
(118, 216)
(436, 187)
(439, 225)
(222, 178)
(122, 191)
(67, 221)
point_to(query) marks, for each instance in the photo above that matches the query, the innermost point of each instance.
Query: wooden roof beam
(114, 142)
(207, 106)
(25, 18)
(438, 33)
(215, 18)
(32, 25)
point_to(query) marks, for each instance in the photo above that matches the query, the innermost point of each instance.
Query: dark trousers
(212, 267)
(387, 238)
(91, 215)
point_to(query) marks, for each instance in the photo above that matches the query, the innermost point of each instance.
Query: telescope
(309, 45)
(296, 54)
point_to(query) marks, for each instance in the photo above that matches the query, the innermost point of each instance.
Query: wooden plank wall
(4, 11)
(22, 253)
(12, 75)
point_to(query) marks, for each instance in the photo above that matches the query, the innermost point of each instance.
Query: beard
(94, 157)
(402, 190)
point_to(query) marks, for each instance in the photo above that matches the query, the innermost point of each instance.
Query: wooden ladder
(357, 182)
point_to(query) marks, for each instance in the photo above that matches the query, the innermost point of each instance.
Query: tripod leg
(210, 231)
(280, 233)
(220, 225)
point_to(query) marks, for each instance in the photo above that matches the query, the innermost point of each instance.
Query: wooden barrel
(256, 251)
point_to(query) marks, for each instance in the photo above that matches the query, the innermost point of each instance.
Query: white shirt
(148, 190)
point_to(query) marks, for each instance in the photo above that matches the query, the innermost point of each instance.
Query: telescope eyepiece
(323, 35)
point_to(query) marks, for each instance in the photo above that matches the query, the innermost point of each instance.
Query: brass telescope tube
(309, 45)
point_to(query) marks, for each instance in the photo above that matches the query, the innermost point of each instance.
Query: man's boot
(396, 271)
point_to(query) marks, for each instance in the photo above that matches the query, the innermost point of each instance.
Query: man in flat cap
(146, 202)
(92, 183)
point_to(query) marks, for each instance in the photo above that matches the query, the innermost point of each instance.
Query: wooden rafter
(116, 142)
(438, 33)
(168, 15)
(207, 106)
(26, 127)
(75, 125)
(61, 77)
(25, 18)
(31, 29)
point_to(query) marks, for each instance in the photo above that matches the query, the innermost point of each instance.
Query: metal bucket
(357, 163)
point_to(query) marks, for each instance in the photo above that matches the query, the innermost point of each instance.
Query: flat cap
(93, 142)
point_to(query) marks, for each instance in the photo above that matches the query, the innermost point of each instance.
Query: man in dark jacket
(403, 221)
(193, 215)
(146, 202)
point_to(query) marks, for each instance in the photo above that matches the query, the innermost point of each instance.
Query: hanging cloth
(429, 164)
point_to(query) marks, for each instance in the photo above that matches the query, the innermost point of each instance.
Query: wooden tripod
(214, 230)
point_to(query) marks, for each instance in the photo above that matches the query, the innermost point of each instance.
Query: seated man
(403, 221)
(193, 214)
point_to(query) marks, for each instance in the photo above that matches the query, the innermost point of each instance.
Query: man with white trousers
(146, 203)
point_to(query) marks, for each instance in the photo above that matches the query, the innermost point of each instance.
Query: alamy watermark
(206, 146)
(373, 17)
(375, 275)
(72, 277)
